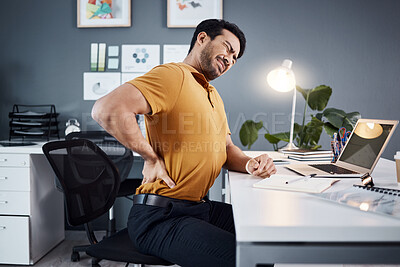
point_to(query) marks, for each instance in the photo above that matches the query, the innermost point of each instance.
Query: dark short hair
(214, 27)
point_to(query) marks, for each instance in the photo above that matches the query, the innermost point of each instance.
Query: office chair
(90, 182)
(123, 159)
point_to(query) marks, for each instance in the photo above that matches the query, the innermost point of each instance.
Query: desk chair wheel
(75, 256)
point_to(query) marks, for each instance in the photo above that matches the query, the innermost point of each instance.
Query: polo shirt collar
(199, 78)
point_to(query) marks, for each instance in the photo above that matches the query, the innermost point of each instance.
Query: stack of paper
(309, 155)
(296, 183)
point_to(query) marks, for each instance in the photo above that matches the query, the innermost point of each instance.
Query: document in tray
(296, 183)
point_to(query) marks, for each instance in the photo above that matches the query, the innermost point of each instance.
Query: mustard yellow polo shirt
(187, 128)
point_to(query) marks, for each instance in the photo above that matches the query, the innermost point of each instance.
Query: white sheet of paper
(139, 58)
(295, 183)
(96, 85)
(175, 53)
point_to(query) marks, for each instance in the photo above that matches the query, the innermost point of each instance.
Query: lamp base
(289, 146)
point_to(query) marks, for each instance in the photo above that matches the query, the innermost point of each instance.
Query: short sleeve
(228, 131)
(161, 87)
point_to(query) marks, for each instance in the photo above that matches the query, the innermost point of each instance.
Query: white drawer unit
(14, 203)
(31, 208)
(14, 160)
(15, 232)
(14, 179)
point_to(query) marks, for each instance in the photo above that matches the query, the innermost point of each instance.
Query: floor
(60, 256)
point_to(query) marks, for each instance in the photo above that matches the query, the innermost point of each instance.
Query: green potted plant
(307, 134)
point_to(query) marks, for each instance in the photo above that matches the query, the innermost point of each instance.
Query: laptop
(360, 154)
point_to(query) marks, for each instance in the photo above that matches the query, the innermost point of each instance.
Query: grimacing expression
(219, 55)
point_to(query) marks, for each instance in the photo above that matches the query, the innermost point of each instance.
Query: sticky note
(113, 51)
(113, 63)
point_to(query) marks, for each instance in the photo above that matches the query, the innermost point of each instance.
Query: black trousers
(185, 233)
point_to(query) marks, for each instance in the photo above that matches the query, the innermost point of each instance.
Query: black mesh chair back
(121, 156)
(88, 178)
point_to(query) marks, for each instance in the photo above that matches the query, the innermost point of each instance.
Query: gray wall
(353, 46)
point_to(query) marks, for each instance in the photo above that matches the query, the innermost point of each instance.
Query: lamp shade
(282, 79)
(368, 130)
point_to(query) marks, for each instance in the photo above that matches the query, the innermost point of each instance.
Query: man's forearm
(236, 159)
(124, 127)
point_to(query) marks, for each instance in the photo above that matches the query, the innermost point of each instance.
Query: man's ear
(202, 38)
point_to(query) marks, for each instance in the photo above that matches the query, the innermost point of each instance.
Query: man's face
(219, 55)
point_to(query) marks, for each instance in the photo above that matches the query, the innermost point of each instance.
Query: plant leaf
(313, 132)
(330, 129)
(335, 116)
(304, 92)
(338, 118)
(249, 132)
(283, 136)
(272, 139)
(350, 120)
(297, 129)
(319, 97)
(275, 138)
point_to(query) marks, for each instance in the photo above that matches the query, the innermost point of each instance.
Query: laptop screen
(365, 144)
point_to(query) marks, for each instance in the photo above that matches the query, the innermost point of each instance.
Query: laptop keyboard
(331, 168)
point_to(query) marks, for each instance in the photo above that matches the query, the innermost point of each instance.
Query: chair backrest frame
(111, 175)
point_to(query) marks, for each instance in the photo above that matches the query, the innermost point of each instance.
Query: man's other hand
(153, 170)
(262, 166)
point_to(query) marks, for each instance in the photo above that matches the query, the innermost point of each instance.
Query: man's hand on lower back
(153, 170)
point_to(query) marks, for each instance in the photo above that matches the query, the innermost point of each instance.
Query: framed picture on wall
(189, 13)
(103, 13)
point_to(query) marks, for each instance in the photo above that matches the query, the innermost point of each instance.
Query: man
(188, 143)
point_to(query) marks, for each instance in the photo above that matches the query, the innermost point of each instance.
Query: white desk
(291, 227)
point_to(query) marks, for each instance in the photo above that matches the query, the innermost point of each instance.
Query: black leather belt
(159, 201)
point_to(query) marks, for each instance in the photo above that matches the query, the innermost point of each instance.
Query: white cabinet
(31, 209)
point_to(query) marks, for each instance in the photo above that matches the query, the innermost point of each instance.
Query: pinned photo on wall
(96, 85)
(175, 53)
(189, 13)
(128, 76)
(139, 58)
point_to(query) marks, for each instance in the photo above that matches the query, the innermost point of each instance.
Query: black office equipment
(90, 182)
(33, 122)
(123, 159)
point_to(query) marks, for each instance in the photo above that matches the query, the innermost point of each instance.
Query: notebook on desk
(293, 183)
(360, 155)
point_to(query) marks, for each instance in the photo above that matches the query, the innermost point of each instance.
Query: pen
(294, 180)
(305, 178)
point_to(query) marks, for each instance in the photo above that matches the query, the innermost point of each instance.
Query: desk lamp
(368, 130)
(282, 79)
